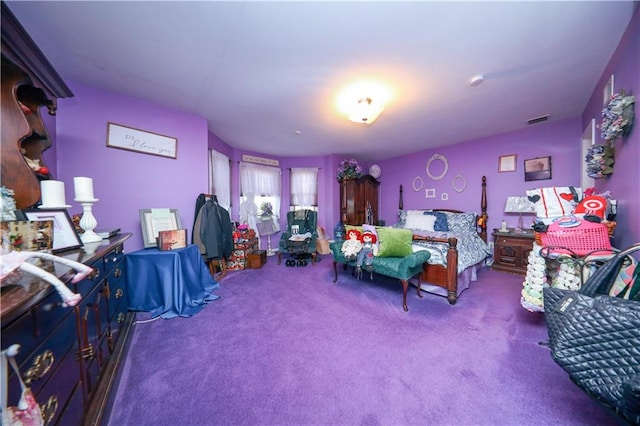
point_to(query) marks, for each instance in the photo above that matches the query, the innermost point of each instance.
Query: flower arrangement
(600, 161)
(266, 209)
(617, 116)
(349, 169)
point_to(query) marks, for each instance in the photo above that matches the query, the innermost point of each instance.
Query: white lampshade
(518, 205)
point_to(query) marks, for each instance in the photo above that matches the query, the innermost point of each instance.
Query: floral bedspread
(471, 248)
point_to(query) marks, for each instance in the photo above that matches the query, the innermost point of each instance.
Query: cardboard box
(322, 246)
(256, 259)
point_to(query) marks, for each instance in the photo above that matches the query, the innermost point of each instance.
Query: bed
(456, 253)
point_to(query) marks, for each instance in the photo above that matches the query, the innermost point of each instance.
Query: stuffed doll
(18, 260)
(352, 246)
(368, 251)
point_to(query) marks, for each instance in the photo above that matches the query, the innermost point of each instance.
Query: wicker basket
(586, 238)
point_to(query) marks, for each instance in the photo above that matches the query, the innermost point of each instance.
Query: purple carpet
(286, 346)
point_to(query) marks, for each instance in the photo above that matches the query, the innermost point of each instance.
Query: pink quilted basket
(581, 239)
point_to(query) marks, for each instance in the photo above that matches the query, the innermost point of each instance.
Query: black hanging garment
(213, 231)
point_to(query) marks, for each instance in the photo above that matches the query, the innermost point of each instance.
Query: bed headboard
(481, 219)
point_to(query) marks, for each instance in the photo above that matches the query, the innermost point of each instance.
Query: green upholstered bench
(402, 268)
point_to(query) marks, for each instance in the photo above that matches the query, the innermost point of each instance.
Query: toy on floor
(14, 260)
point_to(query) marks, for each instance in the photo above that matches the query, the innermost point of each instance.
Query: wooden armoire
(359, 201)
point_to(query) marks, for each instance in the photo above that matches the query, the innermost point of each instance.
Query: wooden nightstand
(511, 250)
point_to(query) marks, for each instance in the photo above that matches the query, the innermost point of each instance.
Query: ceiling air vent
(538, 119)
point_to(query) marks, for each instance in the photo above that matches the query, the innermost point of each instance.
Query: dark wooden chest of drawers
(511, 251)
(69, 356)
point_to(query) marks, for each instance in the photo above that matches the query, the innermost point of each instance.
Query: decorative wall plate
(436, 157)
(417, 183)
(459, 183)
(375, 171)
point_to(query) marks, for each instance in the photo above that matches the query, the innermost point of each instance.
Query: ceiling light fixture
(476, 80)
(365, 111)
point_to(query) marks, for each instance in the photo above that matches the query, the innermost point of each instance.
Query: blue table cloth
(169, 283)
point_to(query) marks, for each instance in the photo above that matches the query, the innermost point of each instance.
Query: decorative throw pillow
(422, 222)
(441, 224)
(461, 223)
(348, 227)
(402, 217)
(554, 201)
(394, 242)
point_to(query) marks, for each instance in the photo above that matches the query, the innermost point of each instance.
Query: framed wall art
(130, 139)
(507, 163)
(155, 220)
(65, 236)
(537, 169)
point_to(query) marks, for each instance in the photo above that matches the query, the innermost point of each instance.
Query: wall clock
(375, 171)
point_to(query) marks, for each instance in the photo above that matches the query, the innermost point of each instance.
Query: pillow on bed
(423, 222)
(441, 224)
(461, 223)
(394, 242)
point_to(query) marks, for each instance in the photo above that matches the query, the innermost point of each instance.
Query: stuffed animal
(368, 251)
(14, 260)
(352, 246)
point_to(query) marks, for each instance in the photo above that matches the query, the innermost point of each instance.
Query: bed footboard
(440, 275)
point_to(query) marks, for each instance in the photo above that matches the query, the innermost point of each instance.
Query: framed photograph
(18, 235)
(65, 236)
(155, 220)
(507, 163)
(537, 169)
(131, 139)
(172, 240)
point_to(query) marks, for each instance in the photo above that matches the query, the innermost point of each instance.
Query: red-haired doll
(368, 251)
(351, 247)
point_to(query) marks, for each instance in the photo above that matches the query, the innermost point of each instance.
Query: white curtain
(258, 181)
(220, 178)
(304, 186)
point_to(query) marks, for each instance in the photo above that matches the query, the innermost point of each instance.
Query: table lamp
(268, 225)
(520, 205)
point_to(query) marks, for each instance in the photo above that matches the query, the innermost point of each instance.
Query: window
(304, 188)
(258, 184)
(220, 177)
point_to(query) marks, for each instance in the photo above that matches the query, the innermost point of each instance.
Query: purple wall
(624, 184)
(126, 181)
(477, 158)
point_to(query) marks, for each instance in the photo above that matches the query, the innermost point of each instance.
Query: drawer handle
(95, 274)
(117, 273)
(119, 293)
(87, 352)
(49, 409)
(41, 366)
(120, 317)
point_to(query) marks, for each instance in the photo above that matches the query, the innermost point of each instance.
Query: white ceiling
(260, 71)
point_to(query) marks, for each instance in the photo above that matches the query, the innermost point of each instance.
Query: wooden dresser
(356, 196)
(70, 357)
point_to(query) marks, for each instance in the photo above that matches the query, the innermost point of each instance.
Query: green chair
(299, 238)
